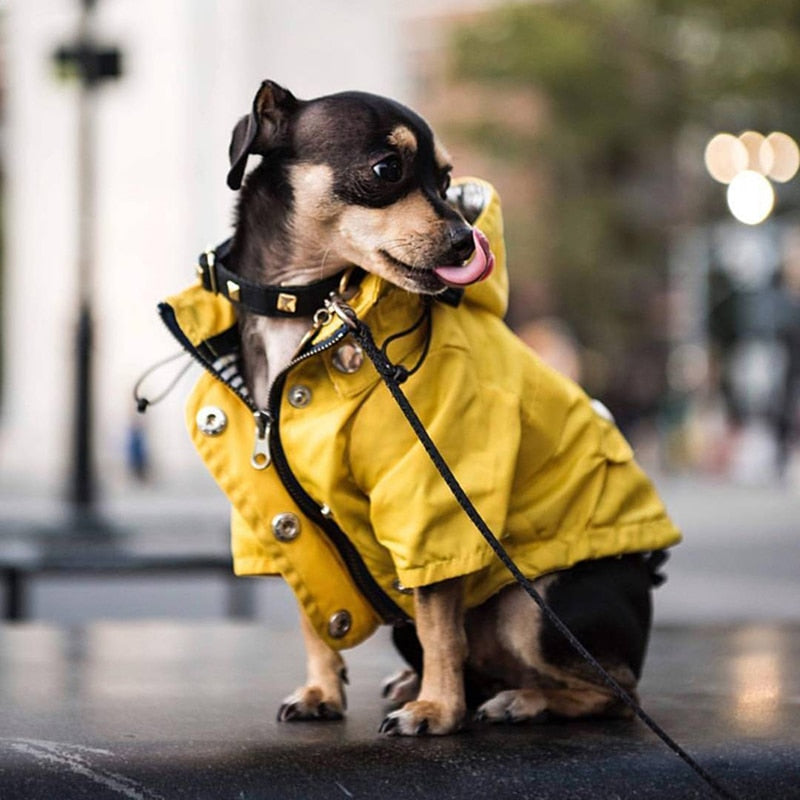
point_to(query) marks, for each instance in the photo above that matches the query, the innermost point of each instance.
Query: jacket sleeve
(412, 511)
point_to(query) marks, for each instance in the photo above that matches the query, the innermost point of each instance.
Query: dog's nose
(461, 243)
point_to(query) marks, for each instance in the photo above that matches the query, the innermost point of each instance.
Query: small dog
(357, 179)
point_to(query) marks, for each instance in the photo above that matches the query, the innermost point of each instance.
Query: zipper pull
(261, 457)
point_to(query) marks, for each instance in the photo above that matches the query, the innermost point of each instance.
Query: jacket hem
(254, 566)
(413, 577)
(602, 542)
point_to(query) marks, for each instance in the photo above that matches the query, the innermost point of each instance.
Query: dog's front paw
(311, 703)
(401, 687)
(423, 716)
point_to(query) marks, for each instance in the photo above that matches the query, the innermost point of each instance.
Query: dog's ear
(262, 129)
(244, 134)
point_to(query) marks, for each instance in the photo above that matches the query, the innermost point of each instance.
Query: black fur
(607, 605)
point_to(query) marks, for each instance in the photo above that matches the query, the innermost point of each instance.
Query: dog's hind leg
(574, 698)
(401, 687)
(323, 697)
(605, 603)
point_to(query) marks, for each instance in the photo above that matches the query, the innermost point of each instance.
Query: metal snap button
(339, 624)
(299, 396)
(286, 526)
(348, 358)
(398, 587)
(211, 420)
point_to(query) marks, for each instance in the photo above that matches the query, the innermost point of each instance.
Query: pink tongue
(476, 269)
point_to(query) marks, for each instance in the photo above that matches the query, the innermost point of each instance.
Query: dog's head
(367, 183)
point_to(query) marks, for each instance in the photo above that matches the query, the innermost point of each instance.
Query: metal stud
(339, 624)
(211, 420)
(348, 358)
(286, 526)
(286, 303)
(299, 396)
(234, 291)
(398, 587)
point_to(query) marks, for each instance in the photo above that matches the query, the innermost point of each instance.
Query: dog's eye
(389, 170)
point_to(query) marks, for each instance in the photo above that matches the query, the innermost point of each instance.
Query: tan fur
(411, 234)
(323, 696)
(313, 192)
(521, 623)
(401, 687)
(440, 707)
(403, 138)
(315, 254)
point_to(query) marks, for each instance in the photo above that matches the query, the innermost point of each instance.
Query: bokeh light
(752, 142)
(745, 163)
(784, 156)
(750, 197)
(725, 157)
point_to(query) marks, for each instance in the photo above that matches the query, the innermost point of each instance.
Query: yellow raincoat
(554, 480)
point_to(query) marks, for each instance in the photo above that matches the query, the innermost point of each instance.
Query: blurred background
(646, 156)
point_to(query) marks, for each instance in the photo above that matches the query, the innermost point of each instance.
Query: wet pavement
(187, 710)
(143, 686)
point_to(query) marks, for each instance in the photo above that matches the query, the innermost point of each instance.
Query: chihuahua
(357, 179)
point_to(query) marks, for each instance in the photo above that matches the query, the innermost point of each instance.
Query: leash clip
(337, 305)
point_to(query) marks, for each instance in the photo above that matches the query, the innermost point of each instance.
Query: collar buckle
(207, 270)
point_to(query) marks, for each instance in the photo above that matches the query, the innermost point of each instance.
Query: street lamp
(91, 65)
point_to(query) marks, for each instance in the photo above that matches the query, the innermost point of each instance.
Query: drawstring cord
(401, 373)
(389, 374)
(143, 402)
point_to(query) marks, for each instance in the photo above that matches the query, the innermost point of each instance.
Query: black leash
(394, 374)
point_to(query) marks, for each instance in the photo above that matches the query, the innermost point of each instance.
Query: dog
(358, 179)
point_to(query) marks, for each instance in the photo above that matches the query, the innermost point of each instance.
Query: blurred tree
(632, 91)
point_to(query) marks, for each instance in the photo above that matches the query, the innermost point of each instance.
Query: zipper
(384, 606)
(261, 457)
(267, 449)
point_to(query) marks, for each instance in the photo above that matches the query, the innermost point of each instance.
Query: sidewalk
(168, 710)
(739, 561)
(105, 707)
(740, 557)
